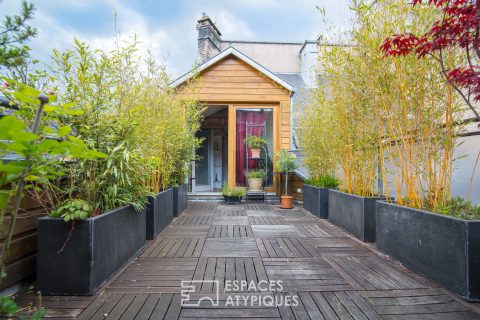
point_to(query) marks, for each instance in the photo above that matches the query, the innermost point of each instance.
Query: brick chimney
(208, 39)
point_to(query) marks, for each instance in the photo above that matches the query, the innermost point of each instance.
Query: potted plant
(160, 212)
(233, 195)
(286, 162)
(255, 179)
(78, 257)
(255, 144)
(315, 194)
(180, 198)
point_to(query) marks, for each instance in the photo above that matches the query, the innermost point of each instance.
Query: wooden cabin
(249, 88)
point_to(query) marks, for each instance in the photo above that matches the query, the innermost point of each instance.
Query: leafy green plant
(377, 118)
(73, 209)
(15, 32)
(108, 89)
(26, 134)
(286, 162)
(7, 306)
(9, 309)
(255, 141)
(460, 208)
(233, 192)
(256, 174)
(326, 181)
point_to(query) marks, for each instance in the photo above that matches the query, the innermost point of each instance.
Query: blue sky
(167, 28)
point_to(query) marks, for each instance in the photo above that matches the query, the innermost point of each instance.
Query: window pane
(257, 122)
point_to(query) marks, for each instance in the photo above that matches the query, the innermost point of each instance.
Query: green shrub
(286, 161)
(105, 87)
(460, 208)
(73, 209)
(256, 174)
(326, 181)
(255, 141)
(233, 192)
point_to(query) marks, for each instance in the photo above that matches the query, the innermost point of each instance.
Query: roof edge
(232, 51)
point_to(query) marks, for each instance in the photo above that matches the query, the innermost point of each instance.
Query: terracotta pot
(255, 152)
(286, 202)
(255, 184)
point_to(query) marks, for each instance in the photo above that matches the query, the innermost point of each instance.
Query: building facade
(249, 88)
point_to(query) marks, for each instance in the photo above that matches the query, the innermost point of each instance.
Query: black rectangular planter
(443, 248)
(231, 200)
(179, 199)
(315, 200)
(159, 213)
(353, 213)
(95, 249)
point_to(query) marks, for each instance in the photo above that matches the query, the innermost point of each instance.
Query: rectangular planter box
(96, 249)
(353, 213)
(445, 249)
(315, 200)
(180, 194)
(159, 213)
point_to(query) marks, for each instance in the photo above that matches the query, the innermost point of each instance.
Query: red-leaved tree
(458, 29)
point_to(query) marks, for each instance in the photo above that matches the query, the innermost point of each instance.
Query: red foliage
(458, 28)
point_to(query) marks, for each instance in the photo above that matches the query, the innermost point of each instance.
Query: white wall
(309, 63)
(465, 156)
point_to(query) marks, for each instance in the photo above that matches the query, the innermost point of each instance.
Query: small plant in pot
(286, 162)
(255, 179)
(233, 195)
(255, 144)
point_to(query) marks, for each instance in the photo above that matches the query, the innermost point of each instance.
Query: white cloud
(232, 27)
(174, 39)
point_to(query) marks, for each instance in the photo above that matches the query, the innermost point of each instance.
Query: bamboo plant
(386, 125)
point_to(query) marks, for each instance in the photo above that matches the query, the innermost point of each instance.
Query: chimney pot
(209, 41)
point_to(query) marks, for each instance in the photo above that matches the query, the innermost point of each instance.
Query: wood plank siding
(21, 260)
(233, 82)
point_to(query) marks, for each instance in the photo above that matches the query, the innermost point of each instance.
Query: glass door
(254, 122)
(203, 170)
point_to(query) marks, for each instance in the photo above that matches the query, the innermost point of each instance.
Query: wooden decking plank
(148, 307)
(250, 271)
(121, 306)
(323, 305)
(261, 248)
(352, 308)
(199, 247)
(93, 307)
(220, 273)
(276, 247)
(200, 269)
(337, 306)
(174, 308)
(259, 269)
(134, 306)
(161, 307)
(363, 305)
(351, 272)
(334, 276)
(240, 269)
(310, 306)
(404, 281)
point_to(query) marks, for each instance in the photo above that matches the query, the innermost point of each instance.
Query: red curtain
(256, 118)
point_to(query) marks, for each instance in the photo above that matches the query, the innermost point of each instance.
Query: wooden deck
(333, 275)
